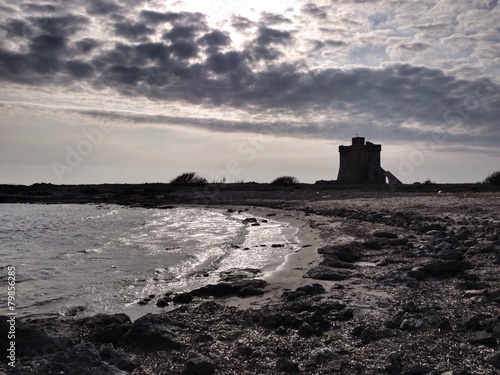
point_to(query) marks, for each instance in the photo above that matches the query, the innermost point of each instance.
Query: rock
(287, 366)
(418, 369)
(305, 330)
(494, 360)
(369, 334)
(250, 220)
(153, 333)
(227, 289)
(475, 292)
(312, 289)
(479, 300)
(344, 254)
(107, 328)
(445, 268)
(319, 356)
(121, 360)
(82, 359)
(494, 295)
(384, 234)
(450, 254)
(394, 363)
(183, 298)
(163, 301)
(216, 290)
(373, 245)
(244, 350)
(328, 273)
(199, 365)
(250, 291)
(34, 341)
(416, 273)
(482, 338)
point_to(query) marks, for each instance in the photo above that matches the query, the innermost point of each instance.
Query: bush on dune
(285, 180)
(189, 178)
(493, 179)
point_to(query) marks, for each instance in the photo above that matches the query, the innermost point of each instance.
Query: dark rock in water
(243, 288)
(121, 360)
(445, 268)
(277, 245)
(384, 234)
(215, 290)
(199, 365)
(153, 332)
(183, 298)
(250, 291)
(249, 220)
(82, 359)
(483, 338)
(494, 360)
(328, 273)
(32, 340)
(287, 366)
(163, 301)
(106, 328)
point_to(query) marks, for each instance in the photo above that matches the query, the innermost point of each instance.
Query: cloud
(273, 36)
(102, 7)
(132, 31)
(350, 64)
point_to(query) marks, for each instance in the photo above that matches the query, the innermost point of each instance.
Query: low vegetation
(285, 180)
(493, 179)
(189, 178)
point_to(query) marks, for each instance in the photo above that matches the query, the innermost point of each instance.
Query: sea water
(87, 259)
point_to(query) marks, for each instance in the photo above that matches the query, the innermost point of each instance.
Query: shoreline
(403, 284)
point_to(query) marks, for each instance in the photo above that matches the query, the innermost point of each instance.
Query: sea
(80, 260)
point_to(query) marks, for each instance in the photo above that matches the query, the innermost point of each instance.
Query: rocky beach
(386, 281)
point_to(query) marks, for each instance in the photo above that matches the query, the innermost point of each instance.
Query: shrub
(493, 179)
(188, 178)
(285, 180)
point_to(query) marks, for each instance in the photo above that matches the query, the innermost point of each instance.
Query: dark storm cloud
(181, 33)
(199, 64)
(155, 18)
(61, 25)
(86, 45)
(18, 28)
(224, 62)
(184, 50)
(268, 35)
(132, 31)
(102, 7)
(80, 69)
(42, 8)
(215, 38)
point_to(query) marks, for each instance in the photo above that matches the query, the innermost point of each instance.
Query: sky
(130, 91)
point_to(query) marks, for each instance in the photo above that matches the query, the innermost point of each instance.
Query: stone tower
(360, 163)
